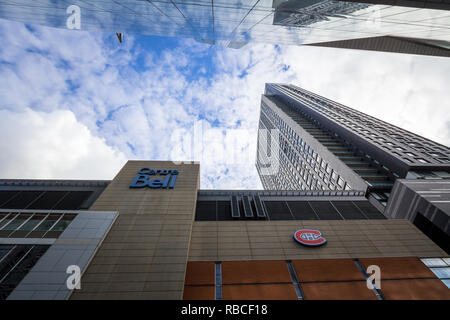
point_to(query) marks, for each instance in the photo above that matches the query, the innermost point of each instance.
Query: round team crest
(309, 237)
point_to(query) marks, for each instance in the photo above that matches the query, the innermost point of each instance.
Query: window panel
(30, 224)
(205, 211)
(22, 200)
(442, 272)
(15, 223)
(302, 210)
(348, 210)
(62, 224)
(278, 210)
(48, 200)
(434, 262)
(369, 210)
(4, 249)
(5, 196)
(7, 219)
(447, 283)
(325, 210)
(48, 223)
(73, 200)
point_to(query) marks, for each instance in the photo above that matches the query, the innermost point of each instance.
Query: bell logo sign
(166, 179)
(309, 237)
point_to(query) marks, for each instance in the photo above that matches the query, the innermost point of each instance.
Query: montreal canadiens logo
(309, 237)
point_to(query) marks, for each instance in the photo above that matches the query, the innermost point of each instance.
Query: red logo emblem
(309, 237)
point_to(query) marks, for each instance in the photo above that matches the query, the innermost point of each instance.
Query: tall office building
(418, 27)
(314, 143)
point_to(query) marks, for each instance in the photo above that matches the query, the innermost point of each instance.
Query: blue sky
(76, 104)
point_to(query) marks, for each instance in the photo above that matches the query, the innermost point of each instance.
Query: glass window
(334, 175)
(434, 262)
(447, 283)
(48, 223)
(33, 222)
(4, 249)
(15, 223)
(441, 272)
(63, 223)
(7, 220)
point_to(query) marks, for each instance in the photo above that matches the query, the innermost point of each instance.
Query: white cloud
(144, 103)
(53, 145)
(409, 91)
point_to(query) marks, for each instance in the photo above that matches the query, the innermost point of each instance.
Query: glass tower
(319, 144)
(233, 23)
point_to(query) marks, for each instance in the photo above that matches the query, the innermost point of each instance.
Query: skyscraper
(381, 25)
(313, 143)
(326, 145)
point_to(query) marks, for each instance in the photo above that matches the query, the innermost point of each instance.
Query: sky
(77, 104)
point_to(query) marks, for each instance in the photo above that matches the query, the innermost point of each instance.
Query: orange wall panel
(327, 270)
(418, 289)
(259, 292)
(200, 272)
(354, 290)
(198, 293)
(268, 271)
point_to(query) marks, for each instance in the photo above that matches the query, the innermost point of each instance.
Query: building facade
(425, 202)
(151, 233)
(319, 144)
(418, 27)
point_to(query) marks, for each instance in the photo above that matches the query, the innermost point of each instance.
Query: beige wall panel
(146, 250)
(258, 240)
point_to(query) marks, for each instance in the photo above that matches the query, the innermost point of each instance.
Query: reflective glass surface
(442, 273)
(34, 225)
(440, 267)
(447, 283)
(434, 262)
(235, 22)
